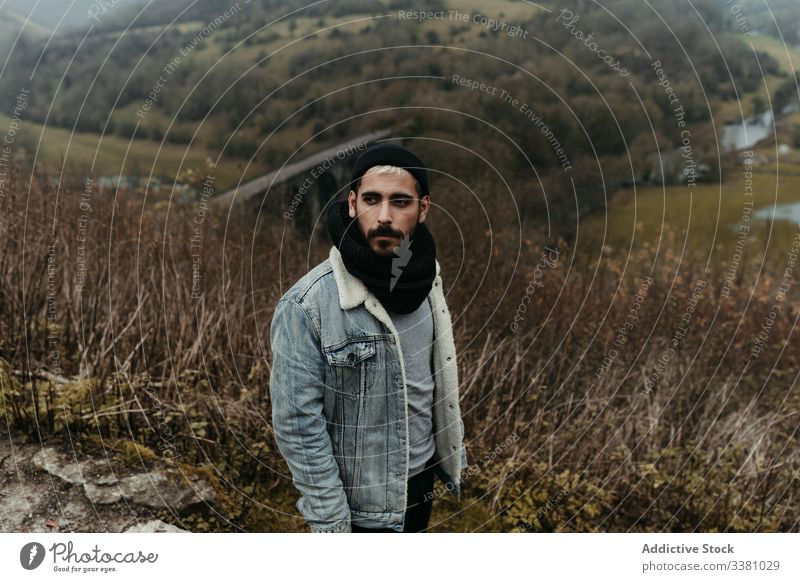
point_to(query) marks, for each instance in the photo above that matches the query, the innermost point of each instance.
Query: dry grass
(708, 447)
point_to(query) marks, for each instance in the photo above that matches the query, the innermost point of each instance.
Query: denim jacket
(339, 400)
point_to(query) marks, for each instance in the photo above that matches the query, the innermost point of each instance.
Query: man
(364, 383)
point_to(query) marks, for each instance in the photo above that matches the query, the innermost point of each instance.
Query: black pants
(418, 509)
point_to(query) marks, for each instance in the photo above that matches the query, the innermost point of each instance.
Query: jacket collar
(352, 291)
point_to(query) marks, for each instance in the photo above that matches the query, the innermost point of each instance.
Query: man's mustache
(384, 232)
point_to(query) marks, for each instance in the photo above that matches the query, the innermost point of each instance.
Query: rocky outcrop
(49, 490)
(159, 488)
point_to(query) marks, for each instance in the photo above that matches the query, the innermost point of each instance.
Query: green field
(116, 155)
(788, 57)
(698, 222)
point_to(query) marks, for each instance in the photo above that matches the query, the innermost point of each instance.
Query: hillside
(253, 82)
(63, 17)
(14, 24)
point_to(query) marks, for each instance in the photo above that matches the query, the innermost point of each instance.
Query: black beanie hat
(391, 154)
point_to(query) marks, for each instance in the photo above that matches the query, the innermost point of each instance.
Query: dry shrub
(134, 357)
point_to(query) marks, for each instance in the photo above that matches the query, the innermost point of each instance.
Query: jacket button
(449, 358)
(450, 405)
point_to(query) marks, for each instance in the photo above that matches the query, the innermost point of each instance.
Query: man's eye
(402, 202)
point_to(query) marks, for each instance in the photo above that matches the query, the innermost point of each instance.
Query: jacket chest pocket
(351, 365)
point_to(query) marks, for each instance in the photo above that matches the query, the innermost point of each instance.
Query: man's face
(388, 208)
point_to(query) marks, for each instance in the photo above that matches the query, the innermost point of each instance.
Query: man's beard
(386, 247)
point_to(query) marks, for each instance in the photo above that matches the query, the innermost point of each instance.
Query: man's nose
(385, 214)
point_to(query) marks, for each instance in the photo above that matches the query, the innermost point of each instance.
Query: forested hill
(248, 69)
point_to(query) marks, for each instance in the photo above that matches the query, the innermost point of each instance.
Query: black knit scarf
(412, 279)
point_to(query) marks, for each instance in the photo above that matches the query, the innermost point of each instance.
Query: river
(745, 134)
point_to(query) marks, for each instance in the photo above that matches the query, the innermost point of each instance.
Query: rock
(154, 526)
(102, 494)
(86, 496)
(105, 480)
(50, 460)
(159, 490)
(18, 503)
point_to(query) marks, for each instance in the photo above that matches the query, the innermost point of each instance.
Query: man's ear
(351, 202)
(424, 206)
